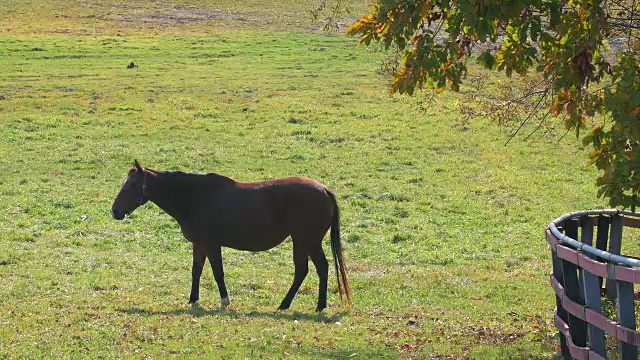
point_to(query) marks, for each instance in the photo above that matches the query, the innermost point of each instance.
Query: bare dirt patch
(248, 17)
(183, 15)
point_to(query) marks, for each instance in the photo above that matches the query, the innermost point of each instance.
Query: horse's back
(291, 188)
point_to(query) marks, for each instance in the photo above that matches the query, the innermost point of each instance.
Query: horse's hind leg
(322, 268)
(214, 253)
(301, 263)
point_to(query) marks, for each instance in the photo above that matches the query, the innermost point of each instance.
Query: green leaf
(487, 59)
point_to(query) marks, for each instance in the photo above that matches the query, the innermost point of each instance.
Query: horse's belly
(257, 243)
(250, 237)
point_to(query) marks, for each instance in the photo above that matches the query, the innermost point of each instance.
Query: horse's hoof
(225, 302)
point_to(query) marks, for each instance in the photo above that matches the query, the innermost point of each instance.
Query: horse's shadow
(198, 311)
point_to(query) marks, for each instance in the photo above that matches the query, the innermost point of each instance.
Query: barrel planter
(588, 268)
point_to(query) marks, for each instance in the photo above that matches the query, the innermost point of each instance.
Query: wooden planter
(580, 268)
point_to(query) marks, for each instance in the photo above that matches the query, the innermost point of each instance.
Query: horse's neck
(175, 192)
(171, 194)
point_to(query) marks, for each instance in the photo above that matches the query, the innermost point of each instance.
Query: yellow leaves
(564, 95)
(366, 26)
(403, 82)
(445, 66)
(560, 101)
(593, 156)
(426, 8)
(368, 29)
(365, 22)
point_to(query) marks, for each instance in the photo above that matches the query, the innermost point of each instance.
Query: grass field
(442, 224)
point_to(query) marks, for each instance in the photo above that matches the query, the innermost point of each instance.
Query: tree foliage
(594, 90)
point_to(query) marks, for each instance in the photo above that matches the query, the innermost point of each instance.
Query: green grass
(442, 224)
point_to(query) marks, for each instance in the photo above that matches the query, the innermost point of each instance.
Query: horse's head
(132, 194)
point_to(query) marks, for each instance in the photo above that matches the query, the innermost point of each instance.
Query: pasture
(442, 225)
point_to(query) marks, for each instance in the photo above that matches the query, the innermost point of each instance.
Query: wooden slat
(586, 226)
(572, 286)
(567, 253)
(573, 351)
(594, 303)
(593, 266)
(627, 335)
(626, 274)
(615, 246)
(595, 356)
(602, 237)
(573, 308)
(562, 313)
(627, 319)
(591, 287)
(551, 239)
(602, 322)
(631, 222)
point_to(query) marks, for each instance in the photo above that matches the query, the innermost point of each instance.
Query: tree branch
(539, 126)
(544, 94)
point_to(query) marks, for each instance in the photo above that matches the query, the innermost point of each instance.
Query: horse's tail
(336, 249)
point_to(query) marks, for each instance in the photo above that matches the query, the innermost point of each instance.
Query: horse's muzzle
(117, 214)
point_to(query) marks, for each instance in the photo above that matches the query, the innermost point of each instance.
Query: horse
(213, 211)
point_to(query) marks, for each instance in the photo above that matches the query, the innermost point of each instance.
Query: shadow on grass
(198, 311)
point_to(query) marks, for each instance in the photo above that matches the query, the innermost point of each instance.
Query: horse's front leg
(199, 257)
(214, 253)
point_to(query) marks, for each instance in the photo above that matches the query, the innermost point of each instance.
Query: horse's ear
(137, 165)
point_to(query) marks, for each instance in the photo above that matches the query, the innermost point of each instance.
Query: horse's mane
(209, 178)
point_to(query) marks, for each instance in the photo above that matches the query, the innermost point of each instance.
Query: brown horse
(214, 211)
